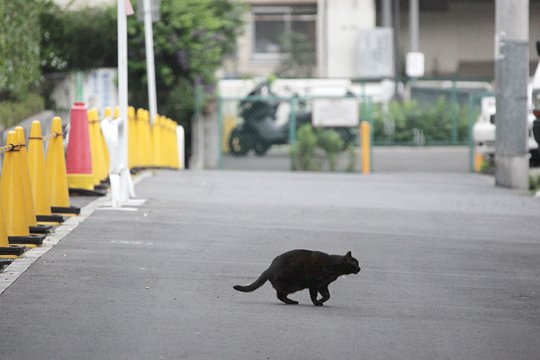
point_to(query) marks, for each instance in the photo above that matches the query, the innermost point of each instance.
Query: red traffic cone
(78, 158)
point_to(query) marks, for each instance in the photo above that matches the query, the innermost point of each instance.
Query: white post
(150, 71)
(180, 140)
(122, 79)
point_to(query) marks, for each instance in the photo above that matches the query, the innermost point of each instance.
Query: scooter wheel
(261, 148)
(238, 145)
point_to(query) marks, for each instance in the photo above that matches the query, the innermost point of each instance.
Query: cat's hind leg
(283, 297)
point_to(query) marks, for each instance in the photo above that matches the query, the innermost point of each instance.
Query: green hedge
(436, 122)
(12, 112)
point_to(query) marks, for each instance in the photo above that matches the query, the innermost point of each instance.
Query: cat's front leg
(325, 294)
(313, 294)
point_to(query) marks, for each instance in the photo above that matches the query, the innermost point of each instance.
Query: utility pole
(511, 76)
(150, 72)
(122, 70)
(397, 29)
(413, 25)
(386, 20)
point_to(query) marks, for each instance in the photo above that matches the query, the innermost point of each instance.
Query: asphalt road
(385, 159)
(449, 263)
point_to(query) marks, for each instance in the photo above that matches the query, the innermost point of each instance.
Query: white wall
(463, 33)
(338, 22)
(99, 90)
(339, 46)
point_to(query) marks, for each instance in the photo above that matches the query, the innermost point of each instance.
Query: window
(271, 22)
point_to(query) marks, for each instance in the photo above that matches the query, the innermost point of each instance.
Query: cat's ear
(348, 254)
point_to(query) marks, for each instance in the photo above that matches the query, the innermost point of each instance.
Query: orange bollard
(27, 187)
(13, 197)
(38, 178)
(55, 167)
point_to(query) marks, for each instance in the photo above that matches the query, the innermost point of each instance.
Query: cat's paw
(318, 303)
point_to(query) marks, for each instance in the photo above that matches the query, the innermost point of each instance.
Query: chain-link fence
(263, 131)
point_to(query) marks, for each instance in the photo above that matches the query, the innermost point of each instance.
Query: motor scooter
(260, 129)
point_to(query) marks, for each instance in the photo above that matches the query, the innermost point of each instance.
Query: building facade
(456, 36)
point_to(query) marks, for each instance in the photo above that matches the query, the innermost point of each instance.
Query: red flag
(129, 8)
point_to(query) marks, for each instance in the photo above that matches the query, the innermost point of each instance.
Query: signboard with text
(342, 112)
(375, 53)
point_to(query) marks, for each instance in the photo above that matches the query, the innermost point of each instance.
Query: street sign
(155, 6)
(375, 53)
(415, 64)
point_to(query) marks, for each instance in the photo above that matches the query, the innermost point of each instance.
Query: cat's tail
(251, 287)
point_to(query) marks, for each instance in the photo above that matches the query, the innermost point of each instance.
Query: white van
(484, 131)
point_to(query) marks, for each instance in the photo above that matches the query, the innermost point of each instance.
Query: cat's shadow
(300, 305)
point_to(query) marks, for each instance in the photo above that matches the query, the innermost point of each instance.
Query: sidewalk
(449, 263)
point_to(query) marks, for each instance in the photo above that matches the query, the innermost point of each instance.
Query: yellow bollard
(25, 178)
(229, 123)
(13, 196)
(27, 187)
(149, 140)
(55, 167)
(174, 146)
(96, 148)
(7, 251)
(140, 139)
(365, 145)
(38, 178)
(156, 137)
(132, 158)
(478, 162)
(12, 191)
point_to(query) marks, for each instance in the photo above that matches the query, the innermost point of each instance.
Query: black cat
(304, 269)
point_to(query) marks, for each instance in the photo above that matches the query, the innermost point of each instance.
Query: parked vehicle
(260, 129)
(535, 98)
(484, 132)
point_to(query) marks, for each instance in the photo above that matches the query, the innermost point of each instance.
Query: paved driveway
(450, 270)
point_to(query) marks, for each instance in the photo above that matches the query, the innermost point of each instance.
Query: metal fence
(437, 113)
(267, 132)
(262, 131)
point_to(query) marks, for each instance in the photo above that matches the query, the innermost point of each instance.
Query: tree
(74, 40)
(190, 43)
(19, 48)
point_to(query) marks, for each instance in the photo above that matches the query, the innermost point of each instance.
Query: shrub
(303, 151)
(313, 148)
(410, 123)
(12, 112)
